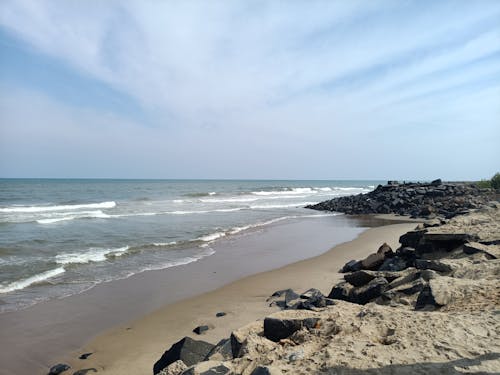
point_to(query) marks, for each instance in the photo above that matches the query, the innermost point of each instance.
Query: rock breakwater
(429, 307)
(418, 200)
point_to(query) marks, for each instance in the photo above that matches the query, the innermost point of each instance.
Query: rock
(341, 291)
(491, 251)
(373, 261)
(412, 239)
(200, 329)
(447, 241)
(278, 329)
(58, 369)
(359, 278)
(437, 182)
(366, 293)
(352, 265)
(85, 355)
(239, 336)
(289, 298)
(394, 264)
(266, 370)
(208, 368)
(221, 352)
(385, 249)
(311, 293)
(85, 371)
(434, 265)
(317, 301)
(426, 298)
(187, 350)
(410, 288)
(220, 314)
(176, 368)
(408, 276)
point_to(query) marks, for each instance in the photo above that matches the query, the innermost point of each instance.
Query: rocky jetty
(418, 200)
(429, 307)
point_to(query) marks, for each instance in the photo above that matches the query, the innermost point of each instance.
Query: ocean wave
(268, 206)
(24, 283)
(91, 255)
(211, 237)
(74, 215)
(14, 209)
(286, 191)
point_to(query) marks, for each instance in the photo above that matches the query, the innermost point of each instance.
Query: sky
(250, 89)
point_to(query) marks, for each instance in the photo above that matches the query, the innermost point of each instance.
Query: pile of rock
(424, 200)
(370, 316)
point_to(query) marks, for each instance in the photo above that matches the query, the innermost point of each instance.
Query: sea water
(61, 237)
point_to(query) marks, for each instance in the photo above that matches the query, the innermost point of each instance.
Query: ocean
(62, 237)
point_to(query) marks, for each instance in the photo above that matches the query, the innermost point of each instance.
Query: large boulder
(351, 266)
(221, 352)
(368, 292)
(280, 326)
(341, 291)
(435, 265)
(239, 336)
(187, 350)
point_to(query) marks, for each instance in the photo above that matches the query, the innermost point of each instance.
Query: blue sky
(250, 89)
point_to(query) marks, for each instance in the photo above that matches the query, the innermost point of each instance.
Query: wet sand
(129, 323)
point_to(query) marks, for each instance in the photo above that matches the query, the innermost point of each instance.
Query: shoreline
(134, 347)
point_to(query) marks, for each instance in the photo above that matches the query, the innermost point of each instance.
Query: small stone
(85, 371)
(220, 314)
(85, 355)
(58, 369)
(200, 329)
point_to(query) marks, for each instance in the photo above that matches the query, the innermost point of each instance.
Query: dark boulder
(351, 266)
(221, 352)
(368, 292)
(437, 182)
(435, 265)
(200, 329)
(276, 329)
(187, 350)
(58, 369)
(359, 278)
(341, 291)
(412, 238)
(394, 264)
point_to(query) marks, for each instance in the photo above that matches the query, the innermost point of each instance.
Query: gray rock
(221, 352)
(366, 293)
(341, 291)
(276, 329)
(200, 329)
(394, 264)
(352, 265)
(434, 265)
(187, 350)
(58, 369)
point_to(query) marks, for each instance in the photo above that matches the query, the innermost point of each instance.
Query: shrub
(495, 181)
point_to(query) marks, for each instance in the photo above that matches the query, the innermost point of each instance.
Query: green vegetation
(494, 183)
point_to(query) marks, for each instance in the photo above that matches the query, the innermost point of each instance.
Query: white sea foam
(211, 237)
(91, 255)
(268, 206)
(56, 217)
(288, 191)
(172, 243)
(109, 204)
(178, 200)
(24, 283)
(212, 193)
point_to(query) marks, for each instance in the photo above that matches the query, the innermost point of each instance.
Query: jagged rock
(359, 278)
(200, 329)
(368, 292)
(221, 352)
(58, 369)
(176, 368)
(394, 264)
(491, 251)
(412, 239)
(351, 266)
(187, 350)
(434, 265)
(239, 336)
(289, 298)
(373, 261)
(341, 291)
(276, 328)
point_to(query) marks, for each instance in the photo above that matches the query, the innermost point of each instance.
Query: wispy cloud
(305, 80)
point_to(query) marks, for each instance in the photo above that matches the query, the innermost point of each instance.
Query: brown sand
(133, 348)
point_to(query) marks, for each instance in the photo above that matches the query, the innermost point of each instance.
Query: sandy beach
(133, 347)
